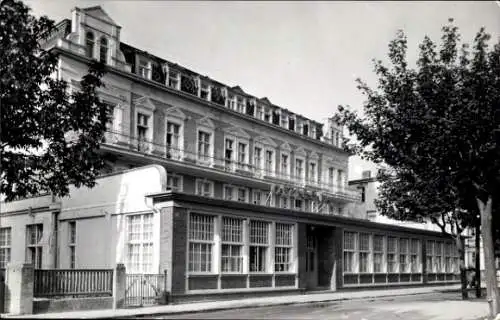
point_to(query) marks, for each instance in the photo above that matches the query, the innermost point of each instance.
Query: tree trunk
(463, 275)
(478, 258)
(489, 256)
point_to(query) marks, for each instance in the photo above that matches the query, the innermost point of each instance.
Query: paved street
(435, 306)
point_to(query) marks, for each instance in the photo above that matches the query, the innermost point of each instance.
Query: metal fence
(145, 289)
(73, 282)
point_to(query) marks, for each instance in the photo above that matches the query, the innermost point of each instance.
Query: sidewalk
(240, 303)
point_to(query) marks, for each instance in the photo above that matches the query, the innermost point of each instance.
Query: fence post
(19, 288)
(119, 285)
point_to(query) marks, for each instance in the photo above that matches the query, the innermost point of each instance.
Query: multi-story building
(242, 195)
(366, 209)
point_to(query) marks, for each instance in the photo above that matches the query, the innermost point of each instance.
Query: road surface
(435, 306)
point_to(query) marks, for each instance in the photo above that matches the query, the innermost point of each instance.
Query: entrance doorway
(311, 259)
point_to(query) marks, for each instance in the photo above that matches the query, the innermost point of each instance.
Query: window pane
(349, 240)
(201, 227)
(283, 234)
(259, 232)
(232, 230)
(258, 258)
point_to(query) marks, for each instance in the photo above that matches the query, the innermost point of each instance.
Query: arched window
(89, 44)
(103, 50)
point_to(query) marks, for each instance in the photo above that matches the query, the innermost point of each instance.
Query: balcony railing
(189, 155)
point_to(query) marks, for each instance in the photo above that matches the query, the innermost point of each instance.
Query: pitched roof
(238, 90)
(98, 12)
(265, 100)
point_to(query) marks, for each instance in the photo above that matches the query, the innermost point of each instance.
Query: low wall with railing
(72, 289)
(73, 283)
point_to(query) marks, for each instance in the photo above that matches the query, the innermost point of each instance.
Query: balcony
(183, 157)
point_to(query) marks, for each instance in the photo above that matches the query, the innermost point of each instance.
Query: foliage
(49, 136)
(433, 125)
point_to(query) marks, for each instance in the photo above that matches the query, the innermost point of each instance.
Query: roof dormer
(98, 35)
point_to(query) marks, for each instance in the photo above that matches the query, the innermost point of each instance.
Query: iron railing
(188, 154)
(73, 282)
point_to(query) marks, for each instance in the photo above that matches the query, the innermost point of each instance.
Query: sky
(303, 56)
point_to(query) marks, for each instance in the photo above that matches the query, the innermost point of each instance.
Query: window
(240, 105)
(89, 44)
(430, 256)
(257, 158)
(283, 248)
(299, 204)
(142, 131)
(257, 197)
(299, 126)
(340, 178)
(173, 140)
(438, 251)
(364, 252)
(285, 167)
(283, 202)
(291, 124)
(314, 132)
(267, 115)
(269, 162)
(34, 235)
(349, 251)
(103, 50)
(391, 254)
(305, 129)
(72, 244)
(229, 153)
(230, 102)
(259, 113)
(140, 243)
(173, 79)
(313, 172)
(204, 145)
(242, 194)
(415, 255)
(378, 253)
(337, 139)
(174, 182)
(284, 121)
(330, 208)
(228, 193)
(5, 244)
(259, 243)
(314, 206)
(205, 91)
(447, 258)
(362, 192)
(299, 169)
(204, 188)
(403, 255)
(201, 237)
(232, 245)
(331, 176)
(144, 69)
(242, 155)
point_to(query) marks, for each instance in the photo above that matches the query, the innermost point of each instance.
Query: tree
(49, 136)
(433, 126)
